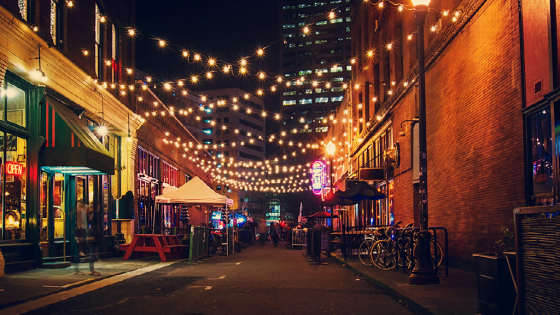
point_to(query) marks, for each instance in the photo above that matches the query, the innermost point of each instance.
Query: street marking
(208, 287)
(220, 278)
(239, 263)
(64, 295)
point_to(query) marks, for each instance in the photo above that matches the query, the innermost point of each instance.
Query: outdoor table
(167, 246)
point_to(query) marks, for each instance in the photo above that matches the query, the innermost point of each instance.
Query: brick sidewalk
(28, 285)
(455, 295)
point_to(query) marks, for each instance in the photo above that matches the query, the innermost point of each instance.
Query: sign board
(229, 202)
(318, 177)
(367, 174)
(13, 168)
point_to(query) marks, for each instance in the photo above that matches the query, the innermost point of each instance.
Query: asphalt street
(258, 280)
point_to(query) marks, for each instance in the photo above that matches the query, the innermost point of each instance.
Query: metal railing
(299, 237)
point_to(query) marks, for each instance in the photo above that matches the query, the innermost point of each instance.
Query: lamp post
(423, 272)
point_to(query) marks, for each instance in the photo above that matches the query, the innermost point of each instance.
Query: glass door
(81, 210)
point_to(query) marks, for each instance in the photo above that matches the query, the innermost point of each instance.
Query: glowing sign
(14, 168)
(318, 177)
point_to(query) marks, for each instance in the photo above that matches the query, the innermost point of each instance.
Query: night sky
(226, 30)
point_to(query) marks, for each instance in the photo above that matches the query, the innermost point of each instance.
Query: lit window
(339, 20)
(347, 19)
(336, 69)
(337, 89)
(305, 72)
(207, 131)
(288, 102)
(337, 98)
(289, 7)
(288, 26)
(322, 100)
(97, 40)
(23, 8)
(54, 19)
(321, 23)
(286, 93)
(308, 91)
(306, 101)
(348, 68)
(319, 90)
(338, 79)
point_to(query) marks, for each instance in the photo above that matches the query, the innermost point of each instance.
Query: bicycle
(365, 248)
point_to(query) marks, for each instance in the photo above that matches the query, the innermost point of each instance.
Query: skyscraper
(316, 51)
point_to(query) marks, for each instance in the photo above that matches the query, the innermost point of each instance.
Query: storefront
(19, 102)
(148, 188)
(380, 212)
(75, 191)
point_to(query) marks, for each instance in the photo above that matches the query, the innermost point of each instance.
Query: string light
(162, 43)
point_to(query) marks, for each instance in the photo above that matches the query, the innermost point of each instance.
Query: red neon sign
(13, 168)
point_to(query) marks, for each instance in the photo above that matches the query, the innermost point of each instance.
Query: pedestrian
(274, 233)
(263, 232)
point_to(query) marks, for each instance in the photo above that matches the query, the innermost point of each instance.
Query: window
(306, 101)
(98, 48)
(319, 90)
(288, 102)
(337, 98)
(288, 7)
(337, 89)
(308, 91)
(322, 100)
(113, 52)
(288, 26)
(338, 20)
(324, 22)
(207, 131)
(336, 69)
(285, 93)
(348, 68)
(14, 104)
(169, 174)
(207, 141)
(338, 79)
(305, 72)
(54, 21)
(321, 41)
(23, 8)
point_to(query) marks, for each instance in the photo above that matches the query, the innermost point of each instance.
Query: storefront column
(36, 100)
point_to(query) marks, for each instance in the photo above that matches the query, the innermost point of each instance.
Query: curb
(412, 305)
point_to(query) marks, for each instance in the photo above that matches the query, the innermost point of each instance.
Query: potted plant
(495, 276)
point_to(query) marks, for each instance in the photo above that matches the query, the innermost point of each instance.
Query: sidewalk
(455, 295)
(33, 284)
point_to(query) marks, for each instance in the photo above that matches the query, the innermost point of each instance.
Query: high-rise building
(229, 124)
(316, 47)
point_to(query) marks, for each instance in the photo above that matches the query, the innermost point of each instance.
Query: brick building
(71, 133)
(475, 132)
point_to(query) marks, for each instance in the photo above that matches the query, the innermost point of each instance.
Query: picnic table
(167, 246)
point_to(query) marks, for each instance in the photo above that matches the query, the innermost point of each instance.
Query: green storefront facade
(56, 177)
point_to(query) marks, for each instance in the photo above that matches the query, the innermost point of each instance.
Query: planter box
(496, 290)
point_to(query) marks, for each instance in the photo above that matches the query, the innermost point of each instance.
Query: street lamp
(423, 272)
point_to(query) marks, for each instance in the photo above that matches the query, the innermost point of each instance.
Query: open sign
(13, 168)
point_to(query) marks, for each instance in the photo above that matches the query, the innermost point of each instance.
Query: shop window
(13, 155)
(540, 157)
(13, 105)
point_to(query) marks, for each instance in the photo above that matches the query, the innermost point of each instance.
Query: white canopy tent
(193, 192)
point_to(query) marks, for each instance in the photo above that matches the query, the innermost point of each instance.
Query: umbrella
(361, 191)
(323, 214)
(337, 201)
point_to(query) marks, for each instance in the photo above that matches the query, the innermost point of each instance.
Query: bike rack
(446, 275)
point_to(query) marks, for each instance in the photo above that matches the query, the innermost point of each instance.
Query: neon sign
(318, 177)
(13, 168)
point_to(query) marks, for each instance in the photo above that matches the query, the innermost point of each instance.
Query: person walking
(263, 232)
(275, 233)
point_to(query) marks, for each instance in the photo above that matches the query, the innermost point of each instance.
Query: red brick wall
(475, 131)
(474, 127)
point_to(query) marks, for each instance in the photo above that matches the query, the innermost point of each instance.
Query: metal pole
(423, 272)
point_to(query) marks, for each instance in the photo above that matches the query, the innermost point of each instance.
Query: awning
(71, 147)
